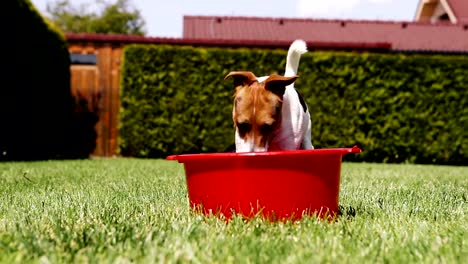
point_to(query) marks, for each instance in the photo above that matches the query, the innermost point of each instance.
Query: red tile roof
(406, 36)
(460, 9)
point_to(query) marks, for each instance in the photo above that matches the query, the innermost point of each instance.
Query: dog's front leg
(307, 139)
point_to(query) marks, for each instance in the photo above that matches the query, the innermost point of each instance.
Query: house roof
(403, 36)
(460, 9)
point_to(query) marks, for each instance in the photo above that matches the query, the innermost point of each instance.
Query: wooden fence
(95, 78)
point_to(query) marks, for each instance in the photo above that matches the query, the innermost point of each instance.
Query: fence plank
(105, 66)
(114, 102)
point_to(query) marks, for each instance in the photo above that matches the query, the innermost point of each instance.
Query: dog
(268, 113)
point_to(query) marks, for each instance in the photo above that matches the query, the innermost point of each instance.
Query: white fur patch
(243, 145)
(262, 79)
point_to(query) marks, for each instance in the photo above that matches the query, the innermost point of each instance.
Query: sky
(164, 18)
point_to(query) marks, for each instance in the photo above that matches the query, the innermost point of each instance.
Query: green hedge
(397, 108)
(36, 106)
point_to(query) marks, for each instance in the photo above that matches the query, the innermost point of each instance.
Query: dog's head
(257, 108)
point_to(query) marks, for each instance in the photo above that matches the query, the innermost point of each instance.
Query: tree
(118, 17)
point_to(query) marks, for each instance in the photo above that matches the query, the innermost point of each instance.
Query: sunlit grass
(122, 210)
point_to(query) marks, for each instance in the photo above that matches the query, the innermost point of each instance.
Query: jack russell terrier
(269, 114)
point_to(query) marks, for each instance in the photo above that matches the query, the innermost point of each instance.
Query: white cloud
(330, 8)
(324, 8)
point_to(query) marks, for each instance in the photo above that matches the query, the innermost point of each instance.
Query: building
(440, 26)
(453, 11)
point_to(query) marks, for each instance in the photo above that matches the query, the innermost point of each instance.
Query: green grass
(133, 210)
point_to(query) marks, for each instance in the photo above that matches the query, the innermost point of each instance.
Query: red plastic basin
(276, 185)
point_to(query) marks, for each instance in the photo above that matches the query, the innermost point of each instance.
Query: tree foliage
(118, 17)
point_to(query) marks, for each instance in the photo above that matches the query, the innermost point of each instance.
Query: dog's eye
(244, 128)
(266, 128)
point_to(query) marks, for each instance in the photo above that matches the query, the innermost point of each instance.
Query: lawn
(136, 210)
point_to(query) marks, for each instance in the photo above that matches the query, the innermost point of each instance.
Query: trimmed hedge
(397, 108)
(36, 105)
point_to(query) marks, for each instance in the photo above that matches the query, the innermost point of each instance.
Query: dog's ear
(277, 83)
(242, 78)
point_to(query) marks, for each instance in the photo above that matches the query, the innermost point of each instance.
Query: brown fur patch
(257, 112)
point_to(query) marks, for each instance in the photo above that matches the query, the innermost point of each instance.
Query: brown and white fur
(268, 112)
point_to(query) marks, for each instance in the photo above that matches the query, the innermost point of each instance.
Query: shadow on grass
(348, 212)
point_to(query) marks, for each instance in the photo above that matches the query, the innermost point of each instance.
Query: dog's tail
(297, 48)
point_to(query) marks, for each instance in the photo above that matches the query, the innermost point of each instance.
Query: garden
(402, 200)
